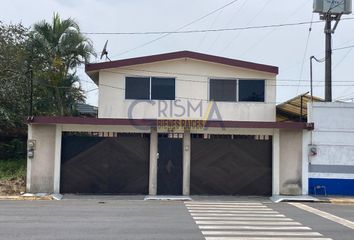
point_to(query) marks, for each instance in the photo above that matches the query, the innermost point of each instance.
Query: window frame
(174, 78)
(264, 90)
(125, 87)
(238, 89)
(227, 79)
(150, 86)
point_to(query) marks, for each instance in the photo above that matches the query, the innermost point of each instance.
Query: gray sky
(282, 47)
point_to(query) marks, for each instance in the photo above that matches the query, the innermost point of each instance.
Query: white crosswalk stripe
(246, 221)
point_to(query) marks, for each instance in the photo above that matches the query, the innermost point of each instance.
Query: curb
(341, 200)
(29, 198)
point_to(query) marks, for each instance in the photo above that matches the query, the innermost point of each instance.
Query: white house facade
(180, 123)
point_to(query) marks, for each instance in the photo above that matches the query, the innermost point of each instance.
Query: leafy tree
(60, 47)
(13, 77)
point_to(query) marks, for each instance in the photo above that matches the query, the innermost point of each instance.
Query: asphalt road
(211, 219)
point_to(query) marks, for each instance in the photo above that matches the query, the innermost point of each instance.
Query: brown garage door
(231, 166)
(105, 165)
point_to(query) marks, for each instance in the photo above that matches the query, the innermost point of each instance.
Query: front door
(169, 173)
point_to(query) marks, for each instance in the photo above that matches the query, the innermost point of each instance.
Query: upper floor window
(154, 88)
(237, 90)
(251, 90)
(137, 88)
(223, 90)
(162, 88)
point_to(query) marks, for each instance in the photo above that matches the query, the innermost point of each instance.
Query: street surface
(105, 217)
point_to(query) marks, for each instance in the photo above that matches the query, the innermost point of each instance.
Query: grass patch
(12, 168)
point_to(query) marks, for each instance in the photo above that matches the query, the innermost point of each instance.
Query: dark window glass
(137, 88)
(222, 90)
(162, 88)
(251, 91)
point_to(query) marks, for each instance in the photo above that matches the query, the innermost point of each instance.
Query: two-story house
(181, 123)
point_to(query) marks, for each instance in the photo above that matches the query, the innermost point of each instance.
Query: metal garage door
(231, 166)
(105, 165)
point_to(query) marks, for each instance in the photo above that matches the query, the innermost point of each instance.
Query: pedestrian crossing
(246, 221)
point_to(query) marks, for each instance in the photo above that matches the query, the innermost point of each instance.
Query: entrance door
(105, 165)
(231, 166)
(169, 172)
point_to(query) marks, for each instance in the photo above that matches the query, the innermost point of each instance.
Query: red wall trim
(182, 54)
(154, 122)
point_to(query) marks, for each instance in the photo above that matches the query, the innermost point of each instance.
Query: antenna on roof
(105, 52)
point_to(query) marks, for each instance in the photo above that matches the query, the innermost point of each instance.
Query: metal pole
(311, 81)
(31, 93)
(328, 73)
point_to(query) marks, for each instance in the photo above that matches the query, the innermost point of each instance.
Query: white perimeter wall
(333, 137)
(192, 83)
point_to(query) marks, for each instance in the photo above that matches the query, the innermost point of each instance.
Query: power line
(261, 39)
(250, 21)
(181, 97)
(175, 74)
(165, 34)
(214, 30)
(341, 48)
(305, 52)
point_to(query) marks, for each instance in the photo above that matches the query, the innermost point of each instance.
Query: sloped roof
(295, 109)
(86, 109)
(92, 68)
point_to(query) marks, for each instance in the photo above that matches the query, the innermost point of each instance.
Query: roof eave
(95, 67)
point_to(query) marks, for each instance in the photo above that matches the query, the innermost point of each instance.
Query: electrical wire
(305, 52)
(261, 39)
(178, 29)
(214, 30)
(229, 23)
(250, 21)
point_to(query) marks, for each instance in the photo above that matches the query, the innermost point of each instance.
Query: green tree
(13, 77)
(59, 48)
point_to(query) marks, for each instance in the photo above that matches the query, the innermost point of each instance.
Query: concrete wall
(290, 162)
(192, 84)
(333, 138)
(43, 173)
(40, 170)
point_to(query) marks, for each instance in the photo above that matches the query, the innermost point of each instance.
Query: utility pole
(330, 10)
(328, 57)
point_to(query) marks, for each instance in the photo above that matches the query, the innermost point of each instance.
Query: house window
(162, 88)
(251, 90)
(154, 88)
(137, 88)
(222, 90)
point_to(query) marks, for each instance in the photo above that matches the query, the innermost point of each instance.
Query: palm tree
(60, 47)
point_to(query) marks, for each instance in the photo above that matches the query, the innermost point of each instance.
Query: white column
(306, 140)
(153, 162)
(186, 162)
(57, 158)
(276, 162)
(29, 160)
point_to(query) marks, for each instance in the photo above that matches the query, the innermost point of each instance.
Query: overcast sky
(282, 47)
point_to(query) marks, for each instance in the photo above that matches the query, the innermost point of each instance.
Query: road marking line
(222, 204)
(242, 218)
(214, 203)
(231, 211)
(246, 223)
(235, 215)
(326, 215)
(228, 206)
(263, 238)
(206, 227)
(262, 233)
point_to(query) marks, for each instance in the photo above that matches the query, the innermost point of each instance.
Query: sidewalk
(337, 199)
